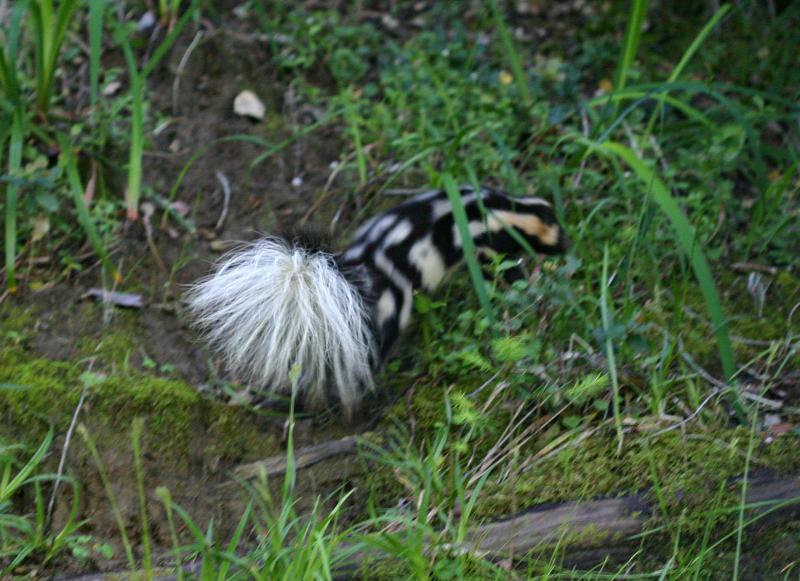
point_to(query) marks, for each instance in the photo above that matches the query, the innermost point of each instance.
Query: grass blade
(9, 487)
(633, 34)
(76, 188)
(235, 540)
(743, 496)
(134, 190)
(162, 48)
(14, 166)
(9, 83)
(688, 241)
(136, 443)
(468, 245)
(641, 96)
(512, 52)
(48, 38)
(608, 347)
(699, 39)
(95, 40)
(65, 10)
(90, 444)
(687, 56)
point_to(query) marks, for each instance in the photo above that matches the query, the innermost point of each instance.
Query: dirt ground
(262, 200)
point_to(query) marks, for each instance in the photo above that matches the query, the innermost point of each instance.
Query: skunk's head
(533, 219)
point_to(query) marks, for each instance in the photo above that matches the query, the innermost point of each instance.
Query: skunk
(275, 305)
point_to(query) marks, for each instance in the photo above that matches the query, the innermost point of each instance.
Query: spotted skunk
(275, 304)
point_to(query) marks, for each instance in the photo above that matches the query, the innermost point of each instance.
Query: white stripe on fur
(429, 262)
(272, 306)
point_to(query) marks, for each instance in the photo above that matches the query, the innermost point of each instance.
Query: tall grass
(512, 53)
(684, 61)
(691, 247)
(12, 132)
(96, 9)
(23, 536)
(605, 310)
(144, 521)
(287, 545)
(84, 218)
(9, 53)
(133, 190)
(630, 47)
(12, 186)
(49, 27)
(138, 79)
(470, 252)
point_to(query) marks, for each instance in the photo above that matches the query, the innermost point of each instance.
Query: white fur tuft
(274, 305)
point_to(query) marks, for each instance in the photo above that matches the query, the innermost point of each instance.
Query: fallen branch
(579, 524)
(303, 458)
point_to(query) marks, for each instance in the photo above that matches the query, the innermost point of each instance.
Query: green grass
(664, 135)
(32, 47)
(50, 27)
(633, 36)
(28, 534)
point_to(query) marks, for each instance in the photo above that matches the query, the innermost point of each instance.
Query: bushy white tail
(272, 306)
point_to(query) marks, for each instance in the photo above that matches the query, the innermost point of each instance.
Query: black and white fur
(275, 305)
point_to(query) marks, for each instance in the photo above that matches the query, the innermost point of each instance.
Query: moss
(680, 472)
(234, 433)
(744, 320)
(15, 325)
(47, 393)
(117, 344)
(44, 392)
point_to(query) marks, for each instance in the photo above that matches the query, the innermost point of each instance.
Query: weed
(27, 535)
(665, 137)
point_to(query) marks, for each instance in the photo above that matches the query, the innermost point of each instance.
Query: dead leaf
(88, 192)
(41, 226)
(782, 428)
(112, 88)
(222, 245)
(182, 208)
(130, 300)
(247, 104)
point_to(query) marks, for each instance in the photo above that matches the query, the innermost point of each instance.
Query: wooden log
(303, 458)
(594, 523)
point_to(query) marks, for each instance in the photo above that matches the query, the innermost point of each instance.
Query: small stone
(111, 88)
(390, 21)
(247, 104)
(146, 22)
